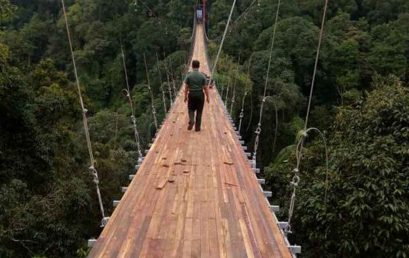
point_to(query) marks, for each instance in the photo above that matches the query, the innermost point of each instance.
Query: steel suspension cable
(244, 13)
(233, 98)
(127, 92)
(169, 88)
(316, 64)
(161, 84)
(251, 112)
(151, 93)
(229, 84)
(258, 130)
(92, 168)
(296, 178)
(223, 38)
(226, 99)
(241, 116)
(172, 77)
(168, 81)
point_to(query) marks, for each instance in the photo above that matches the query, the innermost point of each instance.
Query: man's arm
(186, 91)
(206, 91)
(185, 83)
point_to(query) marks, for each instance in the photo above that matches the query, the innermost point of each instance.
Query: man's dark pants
(195, 104)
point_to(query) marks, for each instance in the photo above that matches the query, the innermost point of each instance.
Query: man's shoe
(197, 129)
(190, 127)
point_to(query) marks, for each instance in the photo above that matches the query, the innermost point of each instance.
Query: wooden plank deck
(195, 194)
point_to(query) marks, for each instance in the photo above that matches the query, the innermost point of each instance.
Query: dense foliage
(48, 205)
(366, 210)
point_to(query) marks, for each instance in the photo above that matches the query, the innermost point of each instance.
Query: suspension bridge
(195, 194)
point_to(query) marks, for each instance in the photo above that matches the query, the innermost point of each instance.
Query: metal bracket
(274, 208)
(131, 177)
(295, 249)
(92, 242)
(282, 224)
(268, 193)
(261, 181)
(124, 188)
(115, 203)
(252, 163)
(104, 221)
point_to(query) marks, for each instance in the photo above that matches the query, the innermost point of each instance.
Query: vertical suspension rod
(161, 85)
(92, 168)
(151, 93)
(130, 101)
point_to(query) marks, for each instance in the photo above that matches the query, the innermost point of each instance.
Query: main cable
(133, 118)
(155, 120)
(296, 178)
(223, 38)
(85, 122)
(258, 130)
(161, 84)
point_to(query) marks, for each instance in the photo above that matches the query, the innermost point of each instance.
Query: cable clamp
(104, 221)
(287, 229)
(258, 130)
(295, 181)
(126, 92)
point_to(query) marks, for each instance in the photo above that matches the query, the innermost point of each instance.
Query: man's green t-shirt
(196, 81)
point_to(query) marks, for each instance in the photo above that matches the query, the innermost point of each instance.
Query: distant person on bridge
(195, 91)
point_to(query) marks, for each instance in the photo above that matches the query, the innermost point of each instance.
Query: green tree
(383, 11)
(390, 45)
(367, 205)
(6, 11)
(346, 63)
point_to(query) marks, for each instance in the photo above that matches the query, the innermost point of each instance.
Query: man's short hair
(195, 64)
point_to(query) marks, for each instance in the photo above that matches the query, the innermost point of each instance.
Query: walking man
(195, 91)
